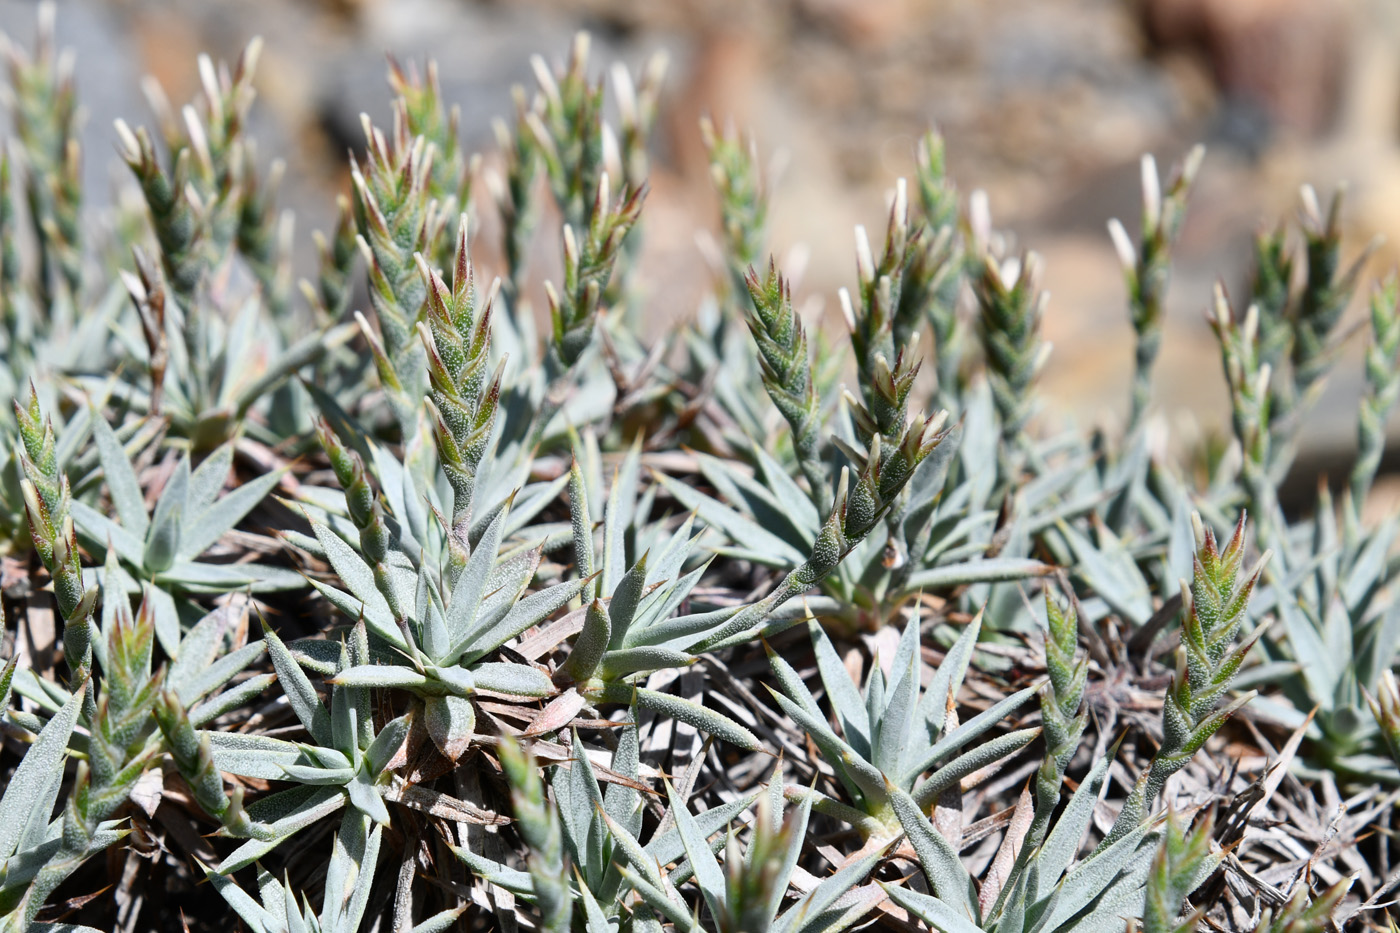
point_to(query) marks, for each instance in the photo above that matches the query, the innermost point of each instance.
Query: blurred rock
(1284, 57)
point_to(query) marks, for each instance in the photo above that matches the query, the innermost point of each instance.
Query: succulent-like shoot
(361, 498)
(45, 112)
(568, 132)
(1044, 882)
(1269, 287)
(894, 735)
(122, 743)
(858, 506)
(162, 546)
(1062, 709)
(336, 256)
(588, 266)
(878, 337)
(1147, 268)
(538, 821)
(1183, 861)
(195, 204)
(513, 193)
(349, 873)
(745, 891)
(427, 114)
(178, 222)
(396, 218)
(933, 276)
(1382, 386)
(465, 394)
(753, 883)
(38, 449)
(1326, 292)
(1011, 306)
(27, 802)
(743, 200)
(56, 543)
(345, 762)
(194, 760)
(932, 281)
(862, 502)
(636, 99)
(1251, 401)
(48, 510)
(1299, 326)
(1212, 611)
(787, 372)
(938, 196)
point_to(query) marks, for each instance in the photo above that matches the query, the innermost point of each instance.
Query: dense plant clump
(395, 603)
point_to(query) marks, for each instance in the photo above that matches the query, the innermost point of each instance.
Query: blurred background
(1045, 104)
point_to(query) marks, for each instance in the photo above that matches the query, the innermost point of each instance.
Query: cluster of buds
(743, 199)
(265, 234)
(396, 218)
(361, 499)
(1251, 401)
(1326, 292)
(1299, 326)
(194, 760)
(1213, 608)
(538, 822)
(147, 293)
(1184, 858)
(464, 393)
(1382, 386)
(933, 269)
(512, 191)
(197, 206)
(1148, 267)
(859, 506)
(568, 131)
(122, 744)
(884, 335)
(426, 114)
(1062, 709)
(123, 721)
(579, 151)
(877, 332)
(787, 371)
(335, 255)
(637, 106)
(43, 101)
(1212, 612)
(46, 505)
(1011, 307)
(588, 266)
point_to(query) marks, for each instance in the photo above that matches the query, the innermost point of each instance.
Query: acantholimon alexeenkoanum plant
(160, 546)
(1138, 869)
(944, 530)
(440, 597)
(1331, 581)
(213, 351)
(534, 615)
(895, 732)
